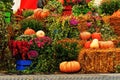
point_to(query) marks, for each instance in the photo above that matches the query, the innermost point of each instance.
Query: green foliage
(107, 32)
(6, 62)
(6, 5)
(108, 7)
(45, 63)
(80, 9)
(66, 51)
(61, 29)
(31, 23)
(117, 68)
(54, 6)
(27, 13)
(2, 6)
(25, 37)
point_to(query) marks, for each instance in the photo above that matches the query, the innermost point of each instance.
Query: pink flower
(89, 24)
(32, 54)
(74, 22)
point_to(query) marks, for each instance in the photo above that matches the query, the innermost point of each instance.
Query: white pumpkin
(94, 44)
(40, 33)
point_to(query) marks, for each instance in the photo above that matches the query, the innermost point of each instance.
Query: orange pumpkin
(41, 13)
(85, 35)
(37, 13)
(87, 44)
(45, 13)
(29, 31)
(96, 36)
(70, 66)
(106, 44)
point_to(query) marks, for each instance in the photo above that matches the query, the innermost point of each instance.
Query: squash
(37, 13)
(106, 44)
(29, 31)
(40, 33)
(69, 66)
(96, 36)
(87, 44)
(94, 44)
(41, 13)
(45, 13)
(85, 35)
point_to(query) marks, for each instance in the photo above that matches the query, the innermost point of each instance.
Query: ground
(113, 76)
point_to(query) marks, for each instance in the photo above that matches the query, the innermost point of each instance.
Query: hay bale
(99, 60)
(115, 23)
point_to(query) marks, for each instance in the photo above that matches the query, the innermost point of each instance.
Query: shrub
(31, 23)
(27, 13)
(110, 6)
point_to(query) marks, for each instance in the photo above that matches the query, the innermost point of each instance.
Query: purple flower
(40, 42)
(32, 54)
(74, 22)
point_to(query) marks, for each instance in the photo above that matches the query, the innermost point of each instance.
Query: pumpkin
(41, 13)
(37, 13)
(94, 44)
(69, 66)
(45, 13)
(106, 44)
(85, 35)
(29, 31)
(96, 36)
(87, 44)
(40, 33)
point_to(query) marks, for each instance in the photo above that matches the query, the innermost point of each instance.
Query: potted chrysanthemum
(20, 51)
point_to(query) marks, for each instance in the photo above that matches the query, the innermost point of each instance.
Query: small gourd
(94, 44)
(29, 31)
(40, 33)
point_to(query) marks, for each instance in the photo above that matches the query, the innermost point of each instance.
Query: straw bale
(99, 60)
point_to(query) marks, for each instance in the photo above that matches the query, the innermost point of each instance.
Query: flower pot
(22, 64)
(7, 20)
(7, 14)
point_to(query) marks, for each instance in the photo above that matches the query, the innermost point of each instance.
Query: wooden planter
(99, 60)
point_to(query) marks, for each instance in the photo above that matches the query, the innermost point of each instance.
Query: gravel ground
(62, 77)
